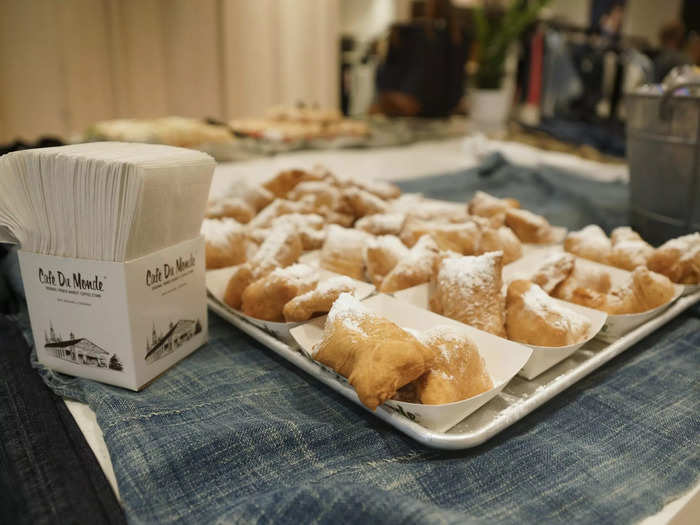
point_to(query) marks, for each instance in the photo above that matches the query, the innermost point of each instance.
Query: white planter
(489, 108)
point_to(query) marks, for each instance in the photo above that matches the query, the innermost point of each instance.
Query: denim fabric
(234, 433)
(48, 474)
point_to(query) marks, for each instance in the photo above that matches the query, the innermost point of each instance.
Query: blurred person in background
(672, 38)
(422, 72)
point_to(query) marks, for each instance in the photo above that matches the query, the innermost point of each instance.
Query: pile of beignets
(469, 289)
(383, 361)
(362, 229)
(677, 259)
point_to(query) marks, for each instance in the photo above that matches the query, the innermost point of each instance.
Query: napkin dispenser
(122, 323)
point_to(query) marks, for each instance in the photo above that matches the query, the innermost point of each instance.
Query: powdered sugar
(381, 223)
(593, 237)
(469, 272)
(220, 231)
(271, 248)
(297, 272)
(687, 245)
(537, 301)
(349, 311)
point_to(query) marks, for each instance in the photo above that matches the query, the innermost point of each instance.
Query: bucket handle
(665, 103)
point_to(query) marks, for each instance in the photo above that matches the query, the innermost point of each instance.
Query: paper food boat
(690, 288)
(543, 357)
(503, 359)
(616, 325)
(217, 280)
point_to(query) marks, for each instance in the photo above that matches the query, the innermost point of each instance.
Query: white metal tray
(518, 398)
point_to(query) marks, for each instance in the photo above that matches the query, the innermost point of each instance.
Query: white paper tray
(518, 398)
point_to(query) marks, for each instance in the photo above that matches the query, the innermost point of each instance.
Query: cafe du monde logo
(77, 281)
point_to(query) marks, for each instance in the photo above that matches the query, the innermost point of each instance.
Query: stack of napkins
(107, 201)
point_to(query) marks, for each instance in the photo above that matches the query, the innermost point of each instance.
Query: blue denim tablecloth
(236, 434)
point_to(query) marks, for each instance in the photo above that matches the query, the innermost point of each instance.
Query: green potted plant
(496, 31)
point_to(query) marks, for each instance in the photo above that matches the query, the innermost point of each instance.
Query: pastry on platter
(417, 206)
(281, 248)
(501, 239)
(309, 226)
(382, 254)
(343, 251)
(464, 237)
(319, 300)
(629, 250)
(643, 291)
(417, 267)
(225, 243)
(285, 181)
(266, 297)
(529, 227)
(233, 207)
(589, 243)
(458, 371)
(382, 223)
(493, 208)
(556, 268)
(678, 259)
(382, 189)
(533, 317)
(319, 195)
(374, 354)
(277, 208)
(241, 277)
(468, 289)
(363, 202)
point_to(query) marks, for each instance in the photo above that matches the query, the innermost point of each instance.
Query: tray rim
(459, 441)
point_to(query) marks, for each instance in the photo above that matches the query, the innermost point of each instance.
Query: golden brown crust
(241, 277)
(343, 250)
(374, 354)
(528, 226)
(591, 243)
(265, 298)
(532, 317)
(678, 259)
(317, 301)
(468, 289)
(458, 371)
(417, 267)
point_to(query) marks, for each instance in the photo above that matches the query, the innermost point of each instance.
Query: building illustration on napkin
(79, 350)
(177, 334)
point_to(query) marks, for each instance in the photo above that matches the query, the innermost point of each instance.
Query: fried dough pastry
(491, 207)
(266, 297)
(320, 195)
(468, 289)
(583, 277)
(589, 243)
(278, 208)
(644, 291)
(309, 226)
(554, 270)
(501, 239)
(533, 317)
(458, 371)
(382, 223)
(363, 202)
(629, 250)
(233, 207)
(382, 254)
(464, 238)
(678, 259)
(382, 189)
(417, 206)
(374, 354)
(529, 227)
(240, 278)
(281, 248)
(225, 243)
(285, 181)
(319, 300)
(343, 251)
(417, 267)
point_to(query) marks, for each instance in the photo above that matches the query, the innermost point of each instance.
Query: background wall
(65, 64)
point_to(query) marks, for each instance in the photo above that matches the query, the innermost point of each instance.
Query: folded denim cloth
(234, 433)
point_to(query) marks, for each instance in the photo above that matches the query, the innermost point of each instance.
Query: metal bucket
(663, 152)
